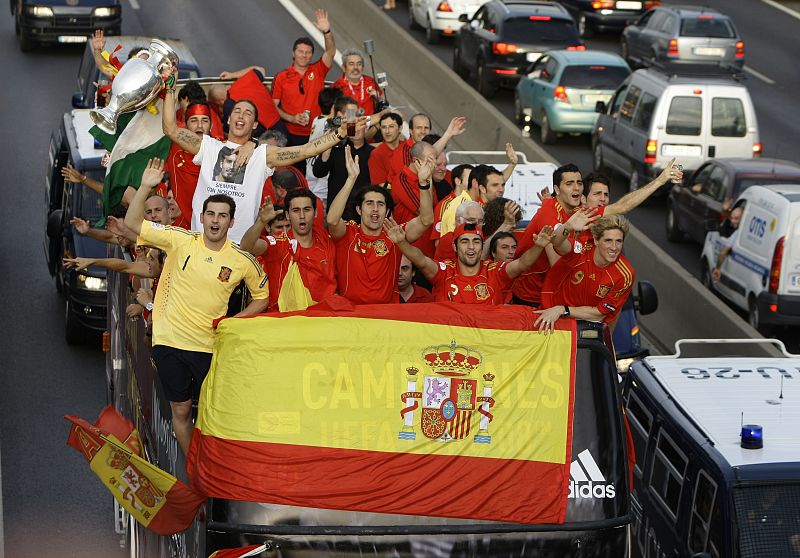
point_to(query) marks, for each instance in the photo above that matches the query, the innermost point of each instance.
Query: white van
(761, 274)
(655, 116)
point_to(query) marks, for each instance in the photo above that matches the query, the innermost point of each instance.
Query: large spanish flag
(426, 409)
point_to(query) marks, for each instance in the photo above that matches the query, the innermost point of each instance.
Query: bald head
(217, 95)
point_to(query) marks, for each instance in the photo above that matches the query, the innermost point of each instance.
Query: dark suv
(504, 38)
(605, 15)
(696, 206)
(85, 291)
(63, 22)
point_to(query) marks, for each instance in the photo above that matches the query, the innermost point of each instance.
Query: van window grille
(768, 519)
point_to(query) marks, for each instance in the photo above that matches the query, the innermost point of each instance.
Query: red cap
(467, 228)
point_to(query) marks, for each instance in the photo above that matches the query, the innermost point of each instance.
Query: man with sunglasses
(295, 89)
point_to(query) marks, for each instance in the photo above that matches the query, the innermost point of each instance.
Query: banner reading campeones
(430, 409)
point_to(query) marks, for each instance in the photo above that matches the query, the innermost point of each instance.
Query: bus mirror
(647, 301)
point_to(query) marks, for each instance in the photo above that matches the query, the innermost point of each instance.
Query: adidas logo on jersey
(586, 480)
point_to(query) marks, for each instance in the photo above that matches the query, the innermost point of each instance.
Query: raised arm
(72, 175)
(169, 124)
(321, 22)
(84, 228)
(98, 44)
(417, 226)
(457, 126)
(398, 237)
(251, 241)
(138, 268)
(284, 156)
(526, 260)
(151, 177)
(633, 199)
(513, 159)
(336, 226)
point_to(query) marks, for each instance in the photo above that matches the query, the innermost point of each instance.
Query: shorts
(181, 372)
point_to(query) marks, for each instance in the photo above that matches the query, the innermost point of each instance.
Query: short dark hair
(286, 179)
(327, 97)
(494, 215)
(343, 101)
(300, 193)
(362, 193)
(221, 198)
(497, 238)
(393, 116)
(595, 177)
(135, 50)
(303, 41)
(459, 170)
(192, 91)
(481, 173)
(249, 102)
(559, 172)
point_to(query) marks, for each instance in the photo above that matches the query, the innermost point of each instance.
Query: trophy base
(104, 119)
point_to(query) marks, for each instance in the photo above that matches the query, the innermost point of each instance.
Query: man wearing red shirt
(381, 157)
(367, 261)
(295, 89)
(589, 285)
(470, 279)
(355, 84)
(568, 186)
(309, 246)
(409, 291)
(420, 126)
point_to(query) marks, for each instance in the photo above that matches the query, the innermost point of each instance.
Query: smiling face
(570, 190)
(495, 187)
(390, 130)
(609, 247)
(505, 249)
(469, 248)
(301, 56)
(373, 212)
(216, 221)
(242, 121)
(353, 68)
(420, 127)
(200, 124)
(440, 170)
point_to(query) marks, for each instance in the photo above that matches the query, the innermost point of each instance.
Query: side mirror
(712, 225)
(77, 101)
(54, 223)
(600, 107)
(473, 24)
(463, 18)
(647, 301)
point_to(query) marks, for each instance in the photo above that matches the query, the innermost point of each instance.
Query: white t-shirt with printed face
(218, 175)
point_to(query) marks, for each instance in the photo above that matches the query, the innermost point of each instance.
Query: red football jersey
(420, 294)
(317, 264)
(401, 157)
(490, 286)
(380, 161)
(367, 266)
(575, 280)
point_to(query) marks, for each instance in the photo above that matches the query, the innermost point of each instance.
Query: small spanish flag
(244, 552)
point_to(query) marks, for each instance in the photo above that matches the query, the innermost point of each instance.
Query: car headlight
(91, 283)
(40, 11)
(106, 11)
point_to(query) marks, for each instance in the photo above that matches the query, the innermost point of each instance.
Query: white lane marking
(134, 4)
(307, 25)
(2, 536)
(782, 8)
(759, 75)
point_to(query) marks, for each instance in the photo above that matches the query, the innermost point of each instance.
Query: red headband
(465, 228)
(198, 109)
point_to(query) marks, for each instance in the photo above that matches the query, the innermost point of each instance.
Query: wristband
(255, 141)
(424, 185)
(326, 32)
(149, 306)
(566, 312)
(340, 138)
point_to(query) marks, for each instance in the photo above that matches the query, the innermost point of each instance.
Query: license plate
(533, 56)
(592, 99)
(623, 5)
(709, 51)
(794, 279)
(681, 150)
(71, 39)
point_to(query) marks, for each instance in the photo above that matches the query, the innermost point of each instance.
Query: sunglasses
(300, 85)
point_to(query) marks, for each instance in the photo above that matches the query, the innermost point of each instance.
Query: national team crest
(481, 291)
(380, 247)
(224, 274)
(449, 396)
(602, 290)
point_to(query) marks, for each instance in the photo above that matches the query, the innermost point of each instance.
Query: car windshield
(594, 77)
(707, 26)
(743, 183)
(767, 519)
(526, 30)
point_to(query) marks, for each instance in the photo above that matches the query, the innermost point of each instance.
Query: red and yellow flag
(156, 499)
(244, 552)
(427, 409)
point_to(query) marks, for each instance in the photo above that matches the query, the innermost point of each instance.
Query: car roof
(668, 78)
(588, 57)
(759, 166)
(685, 10)
(761, 395)
(520, 8)
(129, 41)
(789, 191)
(82, 123)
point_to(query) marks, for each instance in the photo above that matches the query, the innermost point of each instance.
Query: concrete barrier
(420, 82)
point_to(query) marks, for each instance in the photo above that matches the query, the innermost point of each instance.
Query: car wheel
(485, 85)
(754, 317)
(705, 277)
(431, 35)
(412, 23)
(633, 181)
(548, 136)
(597, 157)
(674, 232)
(458, 67)
(74, 332)
(584, 27)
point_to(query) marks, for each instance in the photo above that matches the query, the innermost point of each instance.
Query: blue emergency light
(752, 436)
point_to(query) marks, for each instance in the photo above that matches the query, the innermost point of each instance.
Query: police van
(717, 449)
(761, 274)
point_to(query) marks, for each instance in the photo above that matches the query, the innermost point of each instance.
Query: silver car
(685, 34)
(439, 17)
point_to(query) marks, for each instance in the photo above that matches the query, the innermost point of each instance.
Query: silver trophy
(137, 83)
